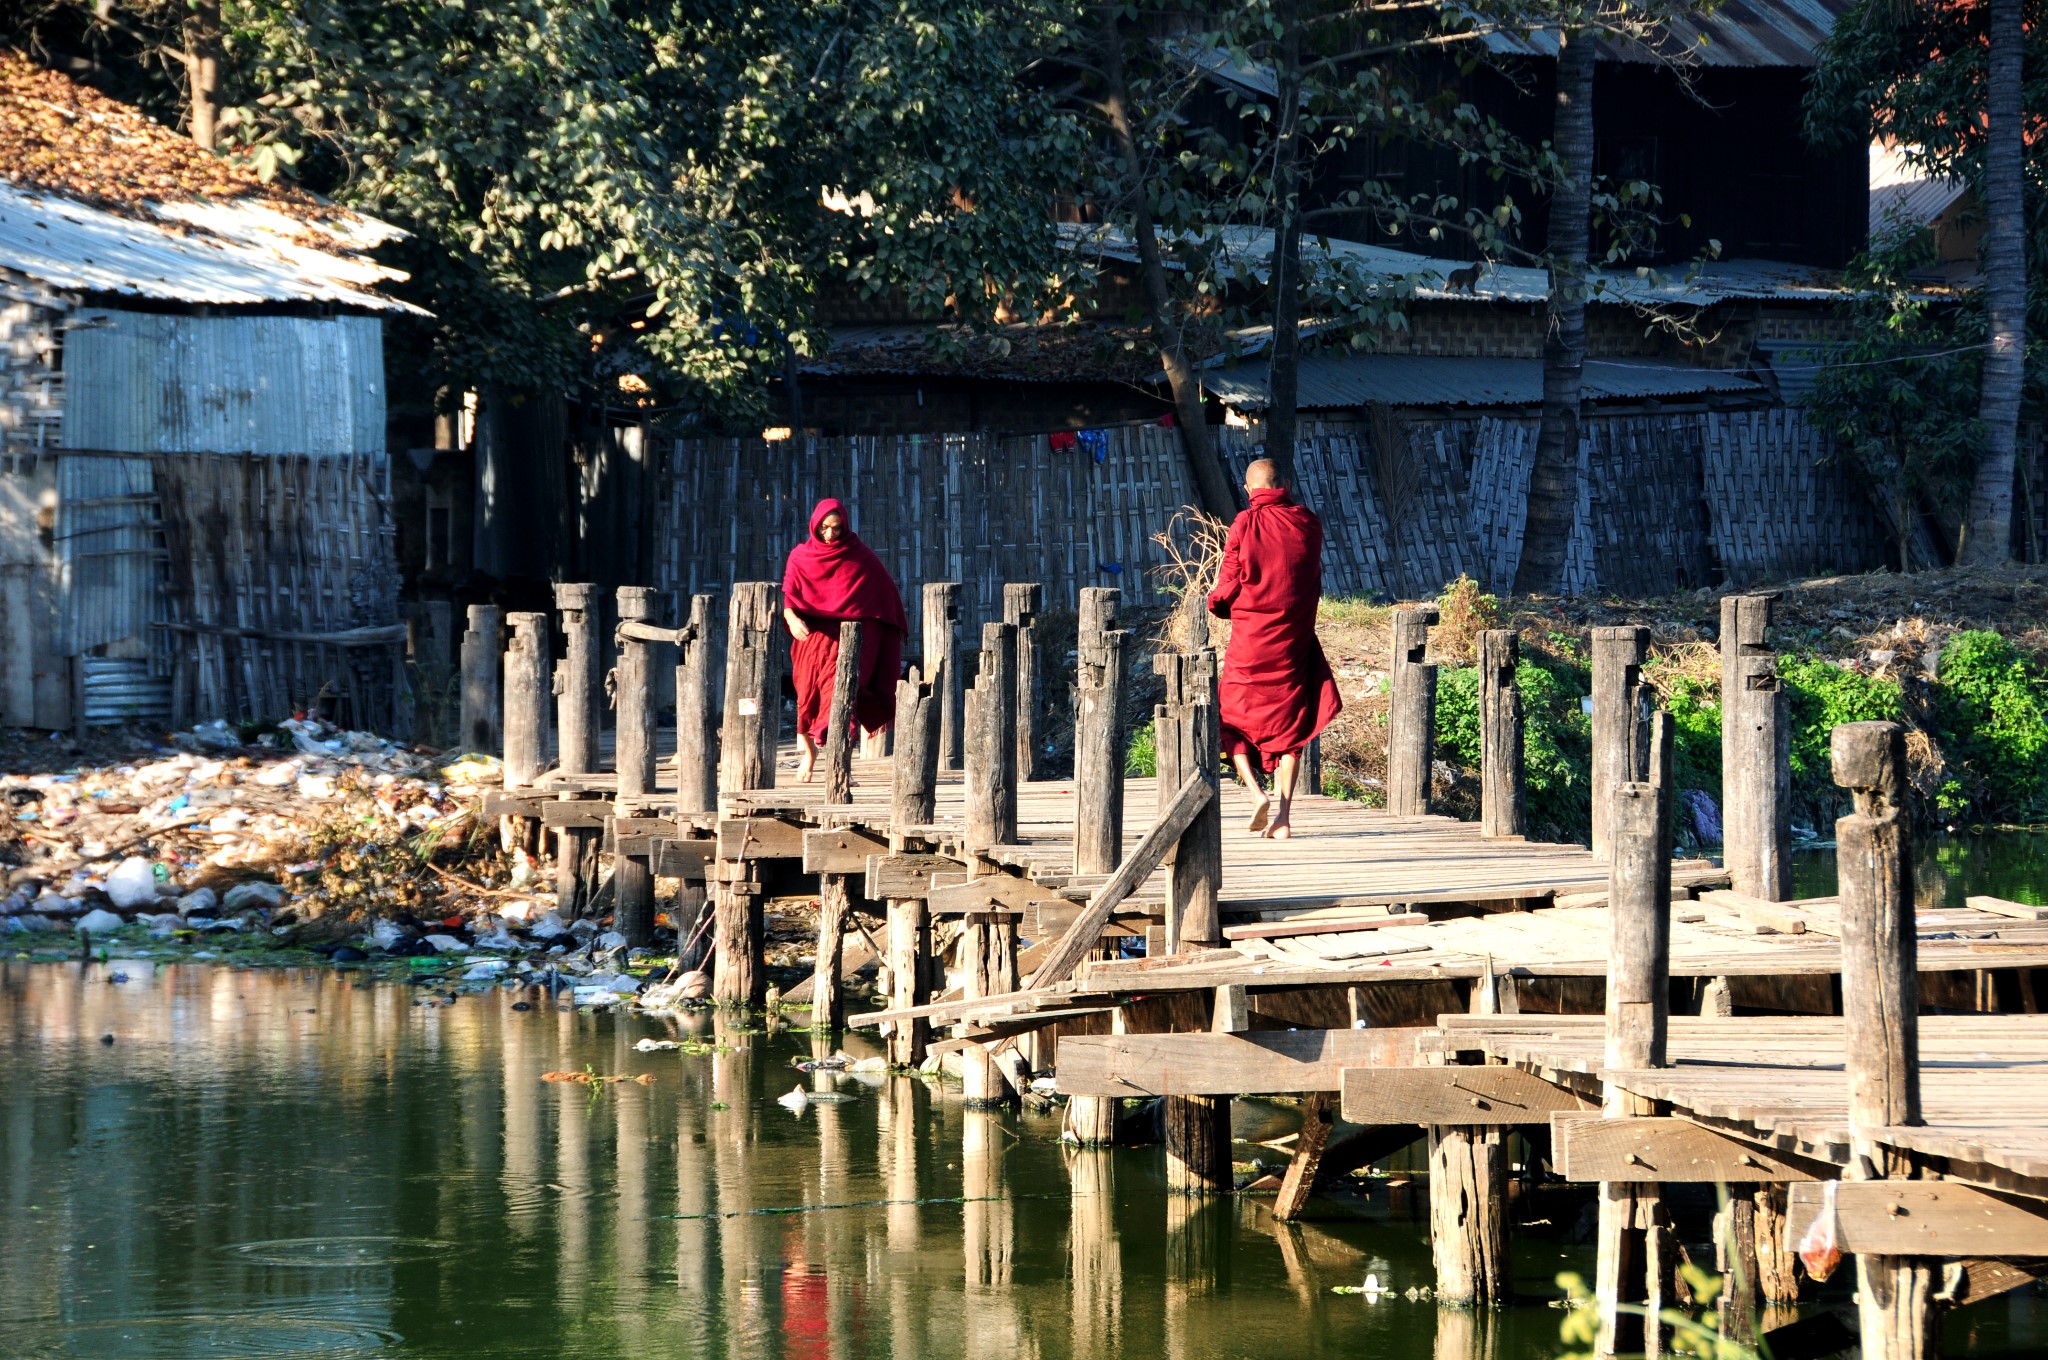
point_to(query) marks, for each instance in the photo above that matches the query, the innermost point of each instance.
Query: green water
(1947, 869)
(272, 1163)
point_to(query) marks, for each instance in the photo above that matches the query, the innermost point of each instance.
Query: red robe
(828, 584)
(1277, 691)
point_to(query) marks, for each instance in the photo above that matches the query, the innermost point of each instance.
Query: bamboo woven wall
(973, 508)
(282, 589)
(1778, 506)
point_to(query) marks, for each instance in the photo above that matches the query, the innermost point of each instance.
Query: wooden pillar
(1099, 734)
(1197, 1128)
(482, 686)
(1500, 736)
(746, 760)
(990, 968)
(526, 691)
(1468, 1198)
(991, 752)
(696, 723)
(1618, 656)
(1895, 1295)
(913, 802)
(633, 756)
(579, 680)
(1022, 602)
(941, 625)
(1188, 739)
(1756, 754)
(835, 903)
(1634, 1249)
(1411, 714)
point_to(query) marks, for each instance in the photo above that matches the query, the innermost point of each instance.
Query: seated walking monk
(1276, 692)
(832, 577)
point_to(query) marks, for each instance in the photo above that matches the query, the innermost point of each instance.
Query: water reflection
(1948, 869)
(269, 1163)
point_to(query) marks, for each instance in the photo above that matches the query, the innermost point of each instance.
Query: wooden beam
(992, 893)
(840, 850)
(1999, 906)
(1921, 1218)
(903, 876)
(759, 838)
(1318, 1113)
(1079, 941)
(1256, 1062)
(1452, 1095)
(1272, 930)
(1586, 1147)
(680, 858)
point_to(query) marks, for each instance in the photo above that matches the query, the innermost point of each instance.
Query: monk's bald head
(1261, 474)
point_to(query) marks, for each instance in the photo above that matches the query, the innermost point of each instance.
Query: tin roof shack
(192, 469)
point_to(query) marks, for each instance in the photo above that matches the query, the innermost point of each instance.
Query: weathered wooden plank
(840, 850)
(893, 877)
(1269, 930)
(1999, 906)
(1251, 1063)
(1921, 1218)
(759, 838)
(575, 814)
(680, 858)
(1452, 1095)
(1586, 1147)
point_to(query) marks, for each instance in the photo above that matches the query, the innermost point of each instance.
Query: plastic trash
(796, 1102)
(132, 885)
(655, 1046)
(98, 922)
(485, 970)
(447, 944)
(253, 896)
(1819, 1249)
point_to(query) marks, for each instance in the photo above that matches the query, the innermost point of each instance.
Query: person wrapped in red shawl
(1276, 692)
(832, 577)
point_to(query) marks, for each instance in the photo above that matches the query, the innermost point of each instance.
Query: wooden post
(1632, 1262)
(1411, 714)
(942, 662)
(1197, 1128)
(1500, 736)
(913, 802)
(1468, 1202)
(579, 681)
(696, 725)
(991, 751)
(990, 966)
(1895, 1295)
(753, 710)
(746, 760)
(526, 690)
(1756, 754)
(1021, 605)
(1618, 656)
(1098, 734)
(633, 756)
(835, 904)
(1187, 738)
(482, 686)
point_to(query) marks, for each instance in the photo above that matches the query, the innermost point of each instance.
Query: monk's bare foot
(1280, 830)
(803, 772)
(1260, 814)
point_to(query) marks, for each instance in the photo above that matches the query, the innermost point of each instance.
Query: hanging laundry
(1096, 442)
(1063, 440)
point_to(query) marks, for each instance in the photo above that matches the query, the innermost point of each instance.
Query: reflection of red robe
(828, 584)
(1277, 691)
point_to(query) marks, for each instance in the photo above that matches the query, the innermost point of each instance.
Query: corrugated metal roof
(151, 382)
(1739, 33)
(220, 251)
(1330, 382)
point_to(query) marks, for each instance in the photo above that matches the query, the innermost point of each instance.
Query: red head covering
(842, 580)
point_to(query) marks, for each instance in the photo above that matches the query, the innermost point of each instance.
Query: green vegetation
(1990, 709)
(1141, 752)
(1557, 738)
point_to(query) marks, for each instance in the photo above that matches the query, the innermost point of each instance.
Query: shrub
(1557, 740)
(1824, 695)
(1141, 752)
(1990, 714)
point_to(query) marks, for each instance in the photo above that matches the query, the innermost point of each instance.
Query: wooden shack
(192, 460)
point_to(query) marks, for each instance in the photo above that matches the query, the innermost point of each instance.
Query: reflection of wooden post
(1618, 656)
(696, 722)
(1094, 1257)
(1021, 605)
(526, 690)
(1632, 1265)
(1500, 735)
(1197, 1128)
(1756, 754)
(828, 993)
(1411, 714)
(942, 661)
(482, 689)
(633, 875)
(746, 760)
(914, 797)
(1895, 1303)
(1098, 734)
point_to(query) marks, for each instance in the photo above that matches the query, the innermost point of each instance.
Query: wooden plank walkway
(1779, 1080)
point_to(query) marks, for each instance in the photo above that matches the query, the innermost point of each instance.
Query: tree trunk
(202, 71)
(1988, 538)
(1284, 367)
(1212, 481)
(1554, 481)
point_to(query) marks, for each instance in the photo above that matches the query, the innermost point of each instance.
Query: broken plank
(1999, 906)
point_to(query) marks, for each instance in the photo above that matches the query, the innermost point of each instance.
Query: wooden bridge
(1449, 980)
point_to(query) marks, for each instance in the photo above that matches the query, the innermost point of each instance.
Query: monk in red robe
(832, 577)
(1277, 692)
